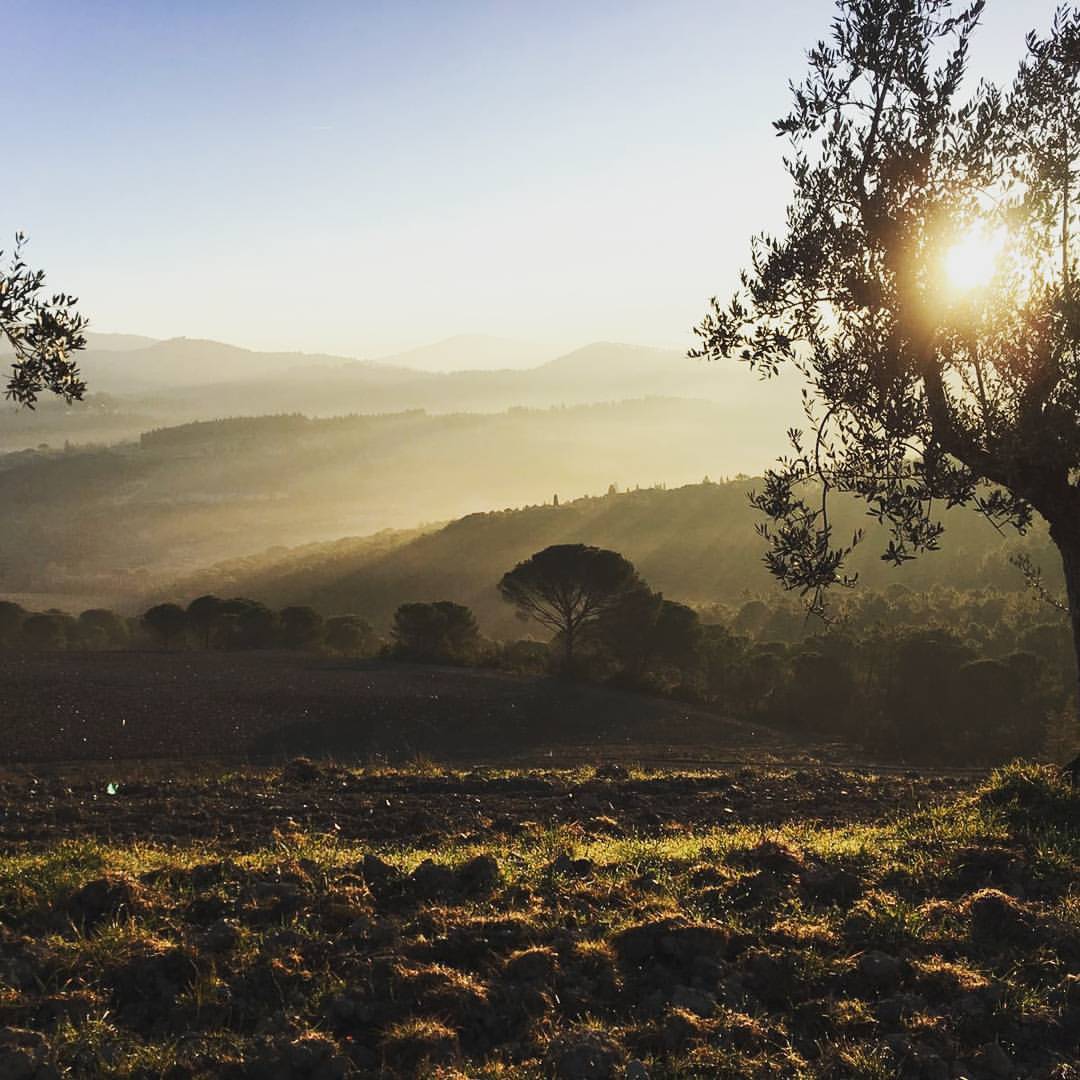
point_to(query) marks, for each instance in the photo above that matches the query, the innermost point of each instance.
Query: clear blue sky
(349, 176)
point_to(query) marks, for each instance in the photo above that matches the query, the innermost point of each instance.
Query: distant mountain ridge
(178, 362)
(105, 342)
(181, 380)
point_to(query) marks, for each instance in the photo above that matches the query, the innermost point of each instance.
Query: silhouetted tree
(11, 620)
(751, 617)
(43, 332)
(676, 636)
(246, 624)
(204, 614)
(47, 630)
(625, 629)
(567, 586)
(349, 635)
(991, 710)
(112, 629)
(437, 632)
(301, 627)
(921, 395)
(642, 631)
(167, 622)
(820, 692)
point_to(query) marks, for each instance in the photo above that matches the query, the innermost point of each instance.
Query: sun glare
(971, 262)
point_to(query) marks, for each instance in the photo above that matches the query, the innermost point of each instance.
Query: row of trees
(207, 622)
(970, 677)
(239, 623)
(604, 618)
(923, 693)
(439, 632)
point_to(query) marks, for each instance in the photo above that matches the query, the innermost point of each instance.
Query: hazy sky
(349, 176)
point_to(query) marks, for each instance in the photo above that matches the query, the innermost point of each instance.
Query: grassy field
(321, 922)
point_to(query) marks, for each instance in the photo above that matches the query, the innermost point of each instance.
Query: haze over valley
(540, 541)
(172, 382)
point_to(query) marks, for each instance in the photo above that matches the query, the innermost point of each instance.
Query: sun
(971, 262)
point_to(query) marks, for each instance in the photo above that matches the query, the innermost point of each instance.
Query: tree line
(964, 676)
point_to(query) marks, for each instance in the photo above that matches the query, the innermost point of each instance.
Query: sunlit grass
(567, 891)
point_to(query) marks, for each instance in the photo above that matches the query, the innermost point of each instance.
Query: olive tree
(43, 332)
(924, 285)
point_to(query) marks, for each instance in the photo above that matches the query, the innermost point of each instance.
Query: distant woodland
(119, 520)
(695, 544)
(135, 385)
(369, 533)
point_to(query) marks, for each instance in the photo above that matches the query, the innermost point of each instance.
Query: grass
(801, 949)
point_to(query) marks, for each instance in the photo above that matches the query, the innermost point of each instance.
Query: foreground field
(101, 706)
(320, 922)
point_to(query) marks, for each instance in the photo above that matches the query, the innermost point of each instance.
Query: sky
(363, 176)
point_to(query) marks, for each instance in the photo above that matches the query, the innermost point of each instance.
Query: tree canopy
(924, 287)
(166, 621)
(43, 332)
(567, 586)
(438, 632)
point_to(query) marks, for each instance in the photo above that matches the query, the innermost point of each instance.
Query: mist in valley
(233, 452)
(540, 540)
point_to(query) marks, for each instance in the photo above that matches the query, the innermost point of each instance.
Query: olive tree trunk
(1067, 538)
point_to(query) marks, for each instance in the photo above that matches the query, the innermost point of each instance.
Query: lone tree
(44, 333)
(567, 586)
(925, 288)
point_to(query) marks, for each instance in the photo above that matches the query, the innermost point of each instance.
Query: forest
(183, 497)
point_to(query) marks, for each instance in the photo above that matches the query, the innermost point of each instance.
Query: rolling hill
(696, 544)
(120, 519)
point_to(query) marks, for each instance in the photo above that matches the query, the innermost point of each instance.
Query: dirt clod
(879, 972)
(997, 919)
(585, 1055)
(102, 899)
(532, 966)
(301, 770)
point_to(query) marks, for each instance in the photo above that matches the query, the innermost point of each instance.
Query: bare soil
(248, 807)
(103, 706)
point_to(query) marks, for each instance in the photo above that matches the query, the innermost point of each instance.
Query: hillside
(696, 544)
(124, 363)
(122, 519)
